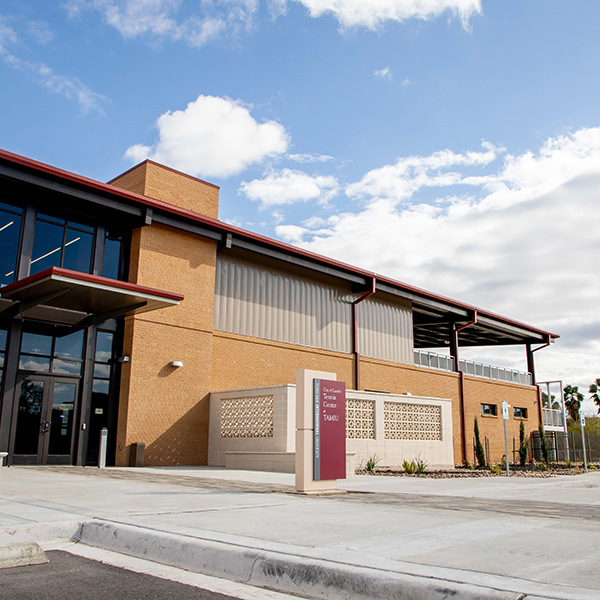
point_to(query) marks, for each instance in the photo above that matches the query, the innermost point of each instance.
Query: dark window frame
(489, 410)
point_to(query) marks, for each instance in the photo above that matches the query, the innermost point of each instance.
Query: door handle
(45, 427)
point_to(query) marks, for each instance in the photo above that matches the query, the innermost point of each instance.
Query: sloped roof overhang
(71, 298)
(432, 314)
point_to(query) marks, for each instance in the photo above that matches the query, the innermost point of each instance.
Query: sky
(450, 144)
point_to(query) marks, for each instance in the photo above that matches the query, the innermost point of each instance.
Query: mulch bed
(531, 470)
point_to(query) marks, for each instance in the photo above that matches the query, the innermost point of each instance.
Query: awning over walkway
(72, 298)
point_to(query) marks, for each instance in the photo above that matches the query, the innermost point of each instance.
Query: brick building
(124, 305)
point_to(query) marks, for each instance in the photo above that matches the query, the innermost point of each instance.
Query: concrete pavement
(387, 538)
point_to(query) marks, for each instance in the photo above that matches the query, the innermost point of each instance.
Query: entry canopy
(79, 299)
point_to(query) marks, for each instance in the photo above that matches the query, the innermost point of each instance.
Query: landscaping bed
(530, 470)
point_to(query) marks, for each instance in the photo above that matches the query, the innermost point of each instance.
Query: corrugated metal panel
(385, 330)
(265, 303)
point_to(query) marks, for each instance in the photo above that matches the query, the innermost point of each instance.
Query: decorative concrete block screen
(404, 421)
(360, 419)
(247, 417)
(255, 429)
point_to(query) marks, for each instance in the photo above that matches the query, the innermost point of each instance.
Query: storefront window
(60, 243)
(10, 234)
(100, 391)
(50, 354)
(112, 255)
(2, 353)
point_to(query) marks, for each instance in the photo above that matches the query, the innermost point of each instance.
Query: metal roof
(432, 313)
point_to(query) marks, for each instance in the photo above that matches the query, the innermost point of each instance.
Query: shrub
(569, 464)
(409, 467)
(523, 445)
(371, 463)
(479, 452)
(420, 464)
(503, 462)
(495, 469)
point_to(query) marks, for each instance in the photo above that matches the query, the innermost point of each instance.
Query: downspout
(355, 332)
(539, 391)
(462, 384)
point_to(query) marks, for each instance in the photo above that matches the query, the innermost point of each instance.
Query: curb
(42, 533)
(22, 555)
(311, 578)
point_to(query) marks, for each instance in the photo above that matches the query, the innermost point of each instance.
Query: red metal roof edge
(27, 162)
(152, 162)
(52, 271)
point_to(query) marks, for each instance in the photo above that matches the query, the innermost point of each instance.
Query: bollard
(103, 446)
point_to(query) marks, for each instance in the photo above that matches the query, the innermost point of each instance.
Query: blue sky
(452, 144)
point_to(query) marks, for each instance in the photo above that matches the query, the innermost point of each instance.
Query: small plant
(371, 463)
(542, 466)
(523, 445)
(495, 469)
(593, 467)
(471, 466)
(409, 467)
(420, 464)
(479, 452)
(503, 463)
(569, 464)
(543, 443)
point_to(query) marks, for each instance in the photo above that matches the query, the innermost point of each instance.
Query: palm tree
(595, 392)
(573, 400)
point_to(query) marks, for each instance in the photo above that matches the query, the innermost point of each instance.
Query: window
(50, 354)
(61, 243)
(112, 255)
(489, 409)
(520, 412)
(10, 235)
(2, 352)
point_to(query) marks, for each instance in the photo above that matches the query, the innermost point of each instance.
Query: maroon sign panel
(329, 429)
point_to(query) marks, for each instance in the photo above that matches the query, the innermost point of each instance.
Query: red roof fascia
(86, 277)
(189, 214)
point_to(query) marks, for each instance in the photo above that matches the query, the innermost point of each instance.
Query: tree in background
(573, 400)
(595, 392)
(523, 445)
(479, 452)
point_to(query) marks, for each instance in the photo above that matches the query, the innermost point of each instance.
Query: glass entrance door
(46, 413)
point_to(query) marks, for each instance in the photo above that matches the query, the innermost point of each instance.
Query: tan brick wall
(241, 362)
(162, 183)
(167, 408)
(133, 180)
(478, 391)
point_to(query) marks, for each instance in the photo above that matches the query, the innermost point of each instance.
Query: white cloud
(385, 73)
(310, 157)
(401, 180)
(69, 87)
(292, 234)
(288, 186)
(40, 32)
(523, 241)
(161, 19)
(212, 137)
(374, 13)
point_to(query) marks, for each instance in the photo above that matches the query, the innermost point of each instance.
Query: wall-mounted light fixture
(176, 363)
(123, 359)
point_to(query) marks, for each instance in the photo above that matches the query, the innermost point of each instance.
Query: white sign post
(582, 421)
(505, 407)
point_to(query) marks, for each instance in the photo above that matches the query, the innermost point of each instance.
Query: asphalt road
(70, 577)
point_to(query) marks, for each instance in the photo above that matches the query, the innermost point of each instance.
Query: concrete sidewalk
(387, 538)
